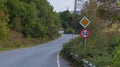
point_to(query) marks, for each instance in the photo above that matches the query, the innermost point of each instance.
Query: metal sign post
(84, 42)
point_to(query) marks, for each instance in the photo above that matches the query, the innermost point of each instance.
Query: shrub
(3, 25)
(116, 61)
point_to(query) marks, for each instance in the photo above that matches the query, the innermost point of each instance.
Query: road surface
(39, 56)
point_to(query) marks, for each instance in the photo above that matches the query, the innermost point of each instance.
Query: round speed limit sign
(84, 33)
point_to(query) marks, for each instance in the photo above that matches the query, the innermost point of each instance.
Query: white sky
(62, 5)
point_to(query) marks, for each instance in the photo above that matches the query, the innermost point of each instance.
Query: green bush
(114, 42)
(3, 26)
(68, 30)
(71, 47)
(116, 56)
(24, 15)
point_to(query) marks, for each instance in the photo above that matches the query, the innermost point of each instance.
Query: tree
(66, 18)
(27, 16)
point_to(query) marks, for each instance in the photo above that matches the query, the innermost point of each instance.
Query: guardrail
(85, 62)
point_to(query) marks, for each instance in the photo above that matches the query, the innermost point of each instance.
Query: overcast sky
(62, 5)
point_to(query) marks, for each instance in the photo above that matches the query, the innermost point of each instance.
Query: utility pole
(77, 6)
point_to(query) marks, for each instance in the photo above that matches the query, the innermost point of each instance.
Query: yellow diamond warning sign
(85, 22)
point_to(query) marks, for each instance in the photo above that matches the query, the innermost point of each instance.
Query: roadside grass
(16, 40)
(98, 52)
(71, 47)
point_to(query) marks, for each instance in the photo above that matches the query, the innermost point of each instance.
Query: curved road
(39, 56)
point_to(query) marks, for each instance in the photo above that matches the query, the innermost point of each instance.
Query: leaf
(118, 3)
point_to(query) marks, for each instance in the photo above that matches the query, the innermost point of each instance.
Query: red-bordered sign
(84, 33)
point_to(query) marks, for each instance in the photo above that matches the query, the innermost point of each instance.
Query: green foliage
(70, 22)
(26, 22)
(68, 30)
(25, 15)
(66, 19)
(69, 47)
(15, 40)
(39, 30)
(116, 56)
(114, 42)
(98, 53)
(102, 61)
(3, 25)
(58, 21)
(118, 3)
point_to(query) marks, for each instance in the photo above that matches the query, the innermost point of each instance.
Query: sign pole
(84, 42)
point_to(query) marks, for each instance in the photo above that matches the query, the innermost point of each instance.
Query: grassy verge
(16, 40)
(100, 52)
(68, 48)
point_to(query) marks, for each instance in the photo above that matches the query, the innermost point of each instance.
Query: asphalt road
(39, 56)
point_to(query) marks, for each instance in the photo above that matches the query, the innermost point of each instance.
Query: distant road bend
(39, 56)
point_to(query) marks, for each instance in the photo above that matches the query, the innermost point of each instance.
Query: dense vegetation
(29, 18)
(102, 47)
(109, 10)
(66, 17)
(69, 22)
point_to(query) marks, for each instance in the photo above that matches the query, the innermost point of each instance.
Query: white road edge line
(58, 59)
